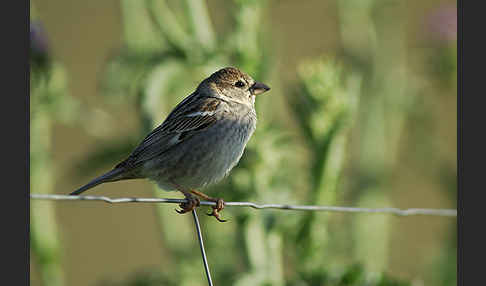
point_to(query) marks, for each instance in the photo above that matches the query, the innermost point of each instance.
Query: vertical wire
(201, 245)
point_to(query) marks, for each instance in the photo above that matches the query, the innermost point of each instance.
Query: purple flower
(442, 23)
(38, 38)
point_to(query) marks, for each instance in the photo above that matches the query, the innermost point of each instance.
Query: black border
(471, 143)
(15, 20)
(460, 278)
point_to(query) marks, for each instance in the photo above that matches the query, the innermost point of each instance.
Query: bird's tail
(111, 176)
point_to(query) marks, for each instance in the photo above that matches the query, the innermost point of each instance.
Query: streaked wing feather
(198, 114)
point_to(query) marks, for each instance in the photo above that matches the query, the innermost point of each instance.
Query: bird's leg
(192, 203)
(216, 209)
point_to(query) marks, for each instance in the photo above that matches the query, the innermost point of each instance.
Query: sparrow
(198, 143)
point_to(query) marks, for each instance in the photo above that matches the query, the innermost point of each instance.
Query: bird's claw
(192, 203)
(216, 209)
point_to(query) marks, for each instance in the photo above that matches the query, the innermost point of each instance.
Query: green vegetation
(337, 133)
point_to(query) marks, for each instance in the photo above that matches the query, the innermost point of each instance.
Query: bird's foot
(192, 203)
(216, 209)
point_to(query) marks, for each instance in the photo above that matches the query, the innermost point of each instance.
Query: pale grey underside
(204, 158)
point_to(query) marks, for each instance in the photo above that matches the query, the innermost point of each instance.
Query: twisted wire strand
(393, 211)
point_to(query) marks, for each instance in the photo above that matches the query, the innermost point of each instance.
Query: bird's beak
(258, 88)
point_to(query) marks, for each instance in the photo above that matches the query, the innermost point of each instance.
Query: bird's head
(232, 84)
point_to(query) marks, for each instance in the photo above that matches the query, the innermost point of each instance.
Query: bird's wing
(190, 116)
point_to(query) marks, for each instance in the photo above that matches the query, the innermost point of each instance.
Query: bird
(198, 143)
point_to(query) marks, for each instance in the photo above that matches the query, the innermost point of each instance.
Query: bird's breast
(220, 148)
(207, 156)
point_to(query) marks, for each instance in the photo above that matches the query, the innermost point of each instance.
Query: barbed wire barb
(394, 211)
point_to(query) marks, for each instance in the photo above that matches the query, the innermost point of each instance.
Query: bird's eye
(239, 84)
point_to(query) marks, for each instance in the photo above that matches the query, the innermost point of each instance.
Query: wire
(201, 245)
(394, 211)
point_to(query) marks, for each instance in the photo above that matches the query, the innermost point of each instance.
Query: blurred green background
(362, 112)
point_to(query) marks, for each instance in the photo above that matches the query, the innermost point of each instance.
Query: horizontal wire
(394, 211)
